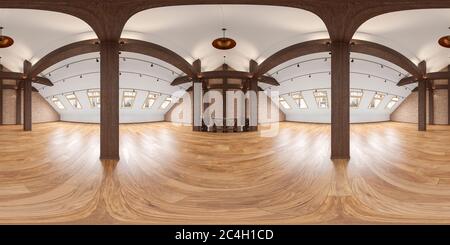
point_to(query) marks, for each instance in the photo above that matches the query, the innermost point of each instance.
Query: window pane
(73, 100)
(284, 103)
(303, 104)
(165, 104)
(128, 98)
(321, 99)
(149, 103)
(58, 103)
(94, 98)
(377, 98)
(392, 103)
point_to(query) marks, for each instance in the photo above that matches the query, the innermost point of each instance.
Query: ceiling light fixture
(5, 41)
(444, 41)
(224, 43)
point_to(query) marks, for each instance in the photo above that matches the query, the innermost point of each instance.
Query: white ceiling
(37, 33)
(258, 30)
(414, 33)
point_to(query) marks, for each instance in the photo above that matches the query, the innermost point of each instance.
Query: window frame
(148, 98)
(359, 97)
(374, 98)
(300, 99)
(281, 100)
(54, 100)
(395, 99)
(167, 99)
(317, 97)
(75, 98)
(90, 97)
(133, 97)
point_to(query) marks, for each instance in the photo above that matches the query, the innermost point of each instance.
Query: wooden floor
(170, 174)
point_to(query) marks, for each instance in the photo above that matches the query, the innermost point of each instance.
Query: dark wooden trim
(180, 80)
(22, 77)
(109, 99)
(225, 75)
(340, 100)
(63, 53)
(27, 98)
(385, 53)
(430, 103)
(422, 106)
(292, 52)
(19, 103)
(1, 96)
(159, 52)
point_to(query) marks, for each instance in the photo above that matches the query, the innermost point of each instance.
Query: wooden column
(253, 103)
(224, 96)
(197, 101)
(19, 103)
(109, 99)
(422, 110)
(340, 100)
(1, 97)
(430, 103)
(27, 97)
(448, 95)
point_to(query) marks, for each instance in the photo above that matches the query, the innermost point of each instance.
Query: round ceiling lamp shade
(5, 41)
(224, 43)
(445, 41)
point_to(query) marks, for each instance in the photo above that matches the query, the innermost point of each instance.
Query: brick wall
(408, 110)
(42, 111)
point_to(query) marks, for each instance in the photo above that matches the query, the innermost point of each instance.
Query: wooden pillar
(448, 95)
(1, 97)
(253, 102)
(224, 96)
(430, 103)
(27, 106)
(19, 103)
(109, 100)
(197, 100)
(27, 97)
(340, 100)
(422, 110)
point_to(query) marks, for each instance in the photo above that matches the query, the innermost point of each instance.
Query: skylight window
(94, 98)
(128, 98)
(321, 99)
(73, 100)
(298, 99)
(355, 98)
(392, 103)
(284, 103)
(58, 103)
(377, 98)
(166, 103)
(151, 98)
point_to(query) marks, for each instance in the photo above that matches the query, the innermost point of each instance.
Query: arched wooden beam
(63, 53)
(159, 52)
(20, 77)
(428, 76)
(385, 53)
(292, 52)
(225, 74)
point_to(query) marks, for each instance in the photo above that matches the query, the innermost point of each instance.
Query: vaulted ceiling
(260, 31)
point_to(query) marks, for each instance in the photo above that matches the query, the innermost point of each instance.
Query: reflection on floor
(169, 174)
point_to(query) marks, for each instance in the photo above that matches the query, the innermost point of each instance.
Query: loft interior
(241, 114)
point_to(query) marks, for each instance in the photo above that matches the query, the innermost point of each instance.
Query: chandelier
(5, 41)
(224, 43)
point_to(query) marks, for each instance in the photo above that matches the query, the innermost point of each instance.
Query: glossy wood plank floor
(170, 174)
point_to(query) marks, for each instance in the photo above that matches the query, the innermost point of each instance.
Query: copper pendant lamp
(5, 41)
(445, 41)
(224, 43)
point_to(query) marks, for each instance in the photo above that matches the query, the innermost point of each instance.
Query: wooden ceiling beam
(21, 77)
(158, 52)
